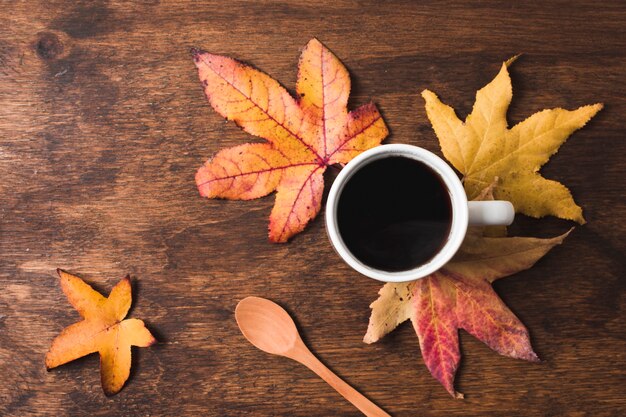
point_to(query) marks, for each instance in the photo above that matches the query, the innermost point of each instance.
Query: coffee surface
(394, 214)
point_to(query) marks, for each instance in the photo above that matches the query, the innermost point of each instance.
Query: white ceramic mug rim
(458, 200)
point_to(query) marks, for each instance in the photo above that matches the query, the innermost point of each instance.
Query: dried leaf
(483, 148)
(460, 296)
(304, 135)
(103, 330)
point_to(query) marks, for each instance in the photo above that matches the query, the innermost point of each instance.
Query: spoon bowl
(266, 325)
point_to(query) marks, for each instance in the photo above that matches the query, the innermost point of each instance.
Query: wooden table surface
(103, 124)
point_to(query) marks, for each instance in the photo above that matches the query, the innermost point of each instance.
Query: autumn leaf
(103, 330)
(483, 147)
(460, 296)
(304, 135)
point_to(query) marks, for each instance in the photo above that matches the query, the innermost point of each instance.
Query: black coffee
(394, 214)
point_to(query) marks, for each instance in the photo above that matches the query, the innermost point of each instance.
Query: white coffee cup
(464, 213)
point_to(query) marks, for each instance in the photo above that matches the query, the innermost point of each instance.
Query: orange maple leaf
(103, 330)
(305, 135)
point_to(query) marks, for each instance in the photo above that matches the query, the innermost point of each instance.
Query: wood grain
(103, 124)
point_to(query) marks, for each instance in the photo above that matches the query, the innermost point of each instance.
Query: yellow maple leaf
(483, 148)
(103, 330)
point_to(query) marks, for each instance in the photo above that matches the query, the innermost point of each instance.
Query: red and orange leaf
(437, 328)
(460, 296)
(304, 135)
(103, 330)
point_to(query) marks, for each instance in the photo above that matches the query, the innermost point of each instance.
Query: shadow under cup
(394, 213)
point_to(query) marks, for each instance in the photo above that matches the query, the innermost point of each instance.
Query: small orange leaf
(304, 135)
(103, 330)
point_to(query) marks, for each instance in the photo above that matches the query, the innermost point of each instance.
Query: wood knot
(48, 46)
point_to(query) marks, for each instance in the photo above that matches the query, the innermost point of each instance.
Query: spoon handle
(356, 398)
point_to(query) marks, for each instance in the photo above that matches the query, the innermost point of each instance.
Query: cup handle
(490, 213)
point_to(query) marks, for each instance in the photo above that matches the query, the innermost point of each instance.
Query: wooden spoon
(270, 328)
